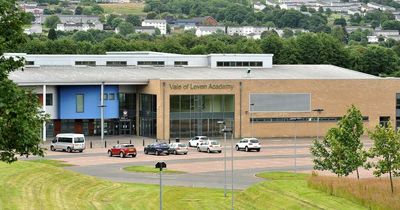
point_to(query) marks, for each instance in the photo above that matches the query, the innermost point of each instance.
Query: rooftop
(68, 75)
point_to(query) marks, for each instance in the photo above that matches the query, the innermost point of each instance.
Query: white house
(113, 1)
(373, 39)
(79, 26)
(248, 31)
(386, 32)
(207, 30)
(258, 6)
(160, 24)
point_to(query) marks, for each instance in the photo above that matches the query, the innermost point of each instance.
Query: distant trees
(52, 35)
(52, 21)
(125, 28)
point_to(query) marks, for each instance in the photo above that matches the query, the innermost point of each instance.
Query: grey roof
(64, 75)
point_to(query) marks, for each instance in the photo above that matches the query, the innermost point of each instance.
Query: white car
(68, 142)
(209, 146)
(195, 141)
(248, 144)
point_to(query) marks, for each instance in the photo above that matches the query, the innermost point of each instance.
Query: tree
(78, 10)
(341, 149)
(303, 8)
(386, 151)
(81, 36)
(52, 34)
(287, 33)
(20, 122)
(52, 21)
(134, 20)
(28, 18)
(340, 21)
(125, 28)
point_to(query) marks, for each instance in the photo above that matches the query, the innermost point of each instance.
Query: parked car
(178, 148)
(68, 142)
(123, 150)
(157, 148)
(248, 144)
(195, 141)
(210, 146)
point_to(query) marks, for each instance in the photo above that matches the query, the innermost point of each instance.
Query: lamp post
(232, 165)
(295, 143)
(251, 118)
(319, 110)
(224, 130)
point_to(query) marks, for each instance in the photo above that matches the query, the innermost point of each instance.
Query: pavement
(202, 169)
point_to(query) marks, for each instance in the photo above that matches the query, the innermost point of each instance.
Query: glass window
(105, 96)
(79, 103)
(111, 96)
(29, 63)
(150, 63)
(79, 140)
(219, 63)
(85, 63)
(116, 63)
(174, 103)
(49, 99)
(180, 63)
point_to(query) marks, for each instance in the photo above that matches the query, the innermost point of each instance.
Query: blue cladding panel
(67, 102)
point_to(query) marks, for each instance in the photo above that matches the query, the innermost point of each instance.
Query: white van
(68, 142)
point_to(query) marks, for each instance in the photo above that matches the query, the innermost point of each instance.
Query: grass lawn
(35, 185)
(149, 169)
(124, 9)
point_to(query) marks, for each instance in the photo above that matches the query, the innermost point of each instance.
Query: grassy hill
(124, 9)
(42, 185)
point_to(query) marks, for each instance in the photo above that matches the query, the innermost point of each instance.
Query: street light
(295, 143)
(251, 118)
(319, 110)
(223, 130)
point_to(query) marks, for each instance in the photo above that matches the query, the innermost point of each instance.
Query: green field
(124, 9)
(33, 185)
(149, 169)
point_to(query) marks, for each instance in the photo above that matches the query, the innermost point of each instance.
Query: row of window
(298, 119)
(239, 63)
(162, 63)
(49, 98)
(109, 96)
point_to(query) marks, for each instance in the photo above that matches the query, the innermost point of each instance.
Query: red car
(123, 150)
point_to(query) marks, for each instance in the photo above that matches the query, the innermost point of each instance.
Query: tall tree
(52, 34)
(341, 150)
(20, 122)
(386, 151)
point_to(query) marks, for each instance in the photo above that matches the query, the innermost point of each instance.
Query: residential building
(145, 29)
(385, 33)
(373, 39)
(79, 26)
(113, 1)
(248, 31)
(258, 6)
(207, 30)
(168, 96)
(76, 18)
(380, 7)
(34, 29)
(160, 24)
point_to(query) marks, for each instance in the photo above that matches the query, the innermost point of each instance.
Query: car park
(197, 140)
(210, 146)
(178, 148)
(68, 142)
(248, 144)
(157, 148)
(123, 150)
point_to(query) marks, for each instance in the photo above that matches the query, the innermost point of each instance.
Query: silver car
(68, 142)
(210, 146)
(178, 148)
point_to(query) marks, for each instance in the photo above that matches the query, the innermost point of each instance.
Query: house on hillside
(160, 24)
(207, 30)
(79, 26)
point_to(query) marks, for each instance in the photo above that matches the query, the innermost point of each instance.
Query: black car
(157, 148)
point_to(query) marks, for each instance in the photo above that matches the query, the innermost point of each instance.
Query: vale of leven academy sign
(200, 86)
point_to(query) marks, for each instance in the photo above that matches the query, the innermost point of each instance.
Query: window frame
(83, 103)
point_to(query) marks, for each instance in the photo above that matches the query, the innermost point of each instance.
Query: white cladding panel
(51, 110)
